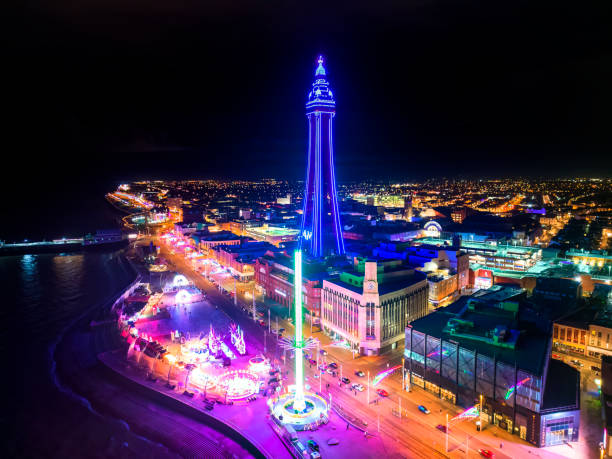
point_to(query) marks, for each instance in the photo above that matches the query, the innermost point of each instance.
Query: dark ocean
(42, 295)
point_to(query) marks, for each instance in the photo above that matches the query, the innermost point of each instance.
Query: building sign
(483, 279)
(432, 229)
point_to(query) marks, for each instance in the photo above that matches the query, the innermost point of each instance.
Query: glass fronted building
(490, 347)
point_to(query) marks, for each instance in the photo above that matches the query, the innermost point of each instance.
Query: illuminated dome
(321, 96)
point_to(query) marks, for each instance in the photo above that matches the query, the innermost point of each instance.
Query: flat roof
(273, 231)
(530, 353)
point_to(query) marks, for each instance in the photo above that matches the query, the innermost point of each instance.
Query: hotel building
(370, 305)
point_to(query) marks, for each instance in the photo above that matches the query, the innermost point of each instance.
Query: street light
(368, 387)
(447, 432)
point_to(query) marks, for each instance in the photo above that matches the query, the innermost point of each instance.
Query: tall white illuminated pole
(299, 403)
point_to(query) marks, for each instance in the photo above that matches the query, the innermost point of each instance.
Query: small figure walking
(347, 426)
(365, 434)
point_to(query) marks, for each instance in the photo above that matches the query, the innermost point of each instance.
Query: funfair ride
(299, 409)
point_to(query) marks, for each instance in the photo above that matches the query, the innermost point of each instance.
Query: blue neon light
(321, 216)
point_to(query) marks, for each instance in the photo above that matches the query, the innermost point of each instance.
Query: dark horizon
(110, 92)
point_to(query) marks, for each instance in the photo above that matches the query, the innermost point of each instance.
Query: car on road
(423, 409)
(578, 363)
(313, 445)
(359, 373)
(323, 352)
(358, 387)
(441, 427)
(485, 453)
(556, 356)
(312, 361)
(322, 367)
(345, 380)
(333, 365)
(330, 371)
(382, 392)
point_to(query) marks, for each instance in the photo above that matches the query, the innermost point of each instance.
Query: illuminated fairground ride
(299, 409)
(238, 384)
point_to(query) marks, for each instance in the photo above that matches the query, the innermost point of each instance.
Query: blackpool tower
(321, 232)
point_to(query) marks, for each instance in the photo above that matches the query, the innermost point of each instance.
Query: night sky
(105, 90)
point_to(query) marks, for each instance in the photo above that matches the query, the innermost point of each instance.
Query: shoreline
(78, 373)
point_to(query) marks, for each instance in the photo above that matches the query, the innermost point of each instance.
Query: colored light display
(513, 388)
(343, 344)
(182, 297)
(238, 384)
(299, 355)
(383, 374)
(180, 281)
(472, 412)
(321, 231)
(237, 338)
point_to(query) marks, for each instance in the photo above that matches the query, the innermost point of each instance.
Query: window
(562, 334)
(555, 332)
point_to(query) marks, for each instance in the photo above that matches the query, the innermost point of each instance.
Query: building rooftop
(492, 323)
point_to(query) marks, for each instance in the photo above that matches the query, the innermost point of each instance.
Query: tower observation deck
(321, 232)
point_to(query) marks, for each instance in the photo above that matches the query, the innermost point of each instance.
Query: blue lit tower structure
(321, 232)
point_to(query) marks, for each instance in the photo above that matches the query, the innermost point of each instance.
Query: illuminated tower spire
(321, 232)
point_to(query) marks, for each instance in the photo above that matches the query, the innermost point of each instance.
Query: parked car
(345, 380)
(313, 445)
(441, 427)
(423, 409)
(359, 373)
(485, 453)
(382, 392)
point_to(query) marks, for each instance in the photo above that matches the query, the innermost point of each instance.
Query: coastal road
(414, 432)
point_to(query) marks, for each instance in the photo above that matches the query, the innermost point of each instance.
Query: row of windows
(471, 370)
(570, 334)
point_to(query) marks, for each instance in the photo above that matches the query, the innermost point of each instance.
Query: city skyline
(302, 230)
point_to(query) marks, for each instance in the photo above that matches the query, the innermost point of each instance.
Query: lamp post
(254, 305)
(403, 375)
(447, 432)
(368, 387)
